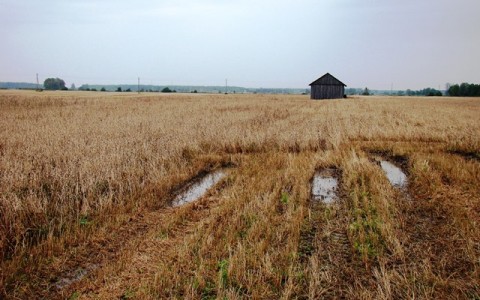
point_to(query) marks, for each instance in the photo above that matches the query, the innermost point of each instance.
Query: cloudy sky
(271, 43)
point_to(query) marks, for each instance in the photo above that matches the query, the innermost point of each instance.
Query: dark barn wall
(327, 91)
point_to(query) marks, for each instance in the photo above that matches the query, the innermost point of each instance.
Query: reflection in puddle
(324, 186)
(394, 174)
(199, 188)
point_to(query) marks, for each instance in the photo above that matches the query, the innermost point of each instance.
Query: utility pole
(226, 86)
(138, 86)
(37, 83)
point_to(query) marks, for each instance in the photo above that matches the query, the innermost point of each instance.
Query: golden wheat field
(87, 182)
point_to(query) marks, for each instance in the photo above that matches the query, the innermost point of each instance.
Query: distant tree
(73, 87)
(475, 90)
(195, 91)
(119, 89)
(128, 90)
(167, 90)
(103, 89)
(54, 84)
(366, 92)
(454, 90)
(464, 87)
(93, 89)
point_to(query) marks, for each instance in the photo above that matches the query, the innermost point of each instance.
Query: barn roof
(327, 79)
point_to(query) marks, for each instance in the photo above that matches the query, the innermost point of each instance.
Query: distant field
(87, 180)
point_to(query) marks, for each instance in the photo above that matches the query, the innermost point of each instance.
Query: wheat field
(87, 180)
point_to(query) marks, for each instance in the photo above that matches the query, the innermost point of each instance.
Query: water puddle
(394, 174)
(324, 186)
(75, 276)
(198, 188)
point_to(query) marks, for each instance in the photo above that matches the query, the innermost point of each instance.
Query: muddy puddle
(394, 174)
(324, 186)
(198, 188)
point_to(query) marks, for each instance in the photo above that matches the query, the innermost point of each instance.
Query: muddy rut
(108, 262)
(307, 215)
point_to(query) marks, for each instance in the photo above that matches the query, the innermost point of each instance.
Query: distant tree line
(354, 91)
(18, 85)
(456, 90)
(367, 91)
(57, 84)
(424, 92)
(86, 87)
(464, 90)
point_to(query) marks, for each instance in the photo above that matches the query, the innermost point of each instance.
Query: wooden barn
(327, 87)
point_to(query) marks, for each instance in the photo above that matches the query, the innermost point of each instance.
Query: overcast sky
(271, 43)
